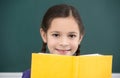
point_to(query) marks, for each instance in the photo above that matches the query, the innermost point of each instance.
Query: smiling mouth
(63, 52)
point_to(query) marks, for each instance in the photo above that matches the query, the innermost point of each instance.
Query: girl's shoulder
(26, 74)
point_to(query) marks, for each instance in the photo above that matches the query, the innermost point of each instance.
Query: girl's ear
(81, 37)
(43, 35)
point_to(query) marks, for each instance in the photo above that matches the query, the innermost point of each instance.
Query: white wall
(11, 75)
(19, 75)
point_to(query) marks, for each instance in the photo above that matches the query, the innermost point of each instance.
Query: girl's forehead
(64, 19)
(67, 24)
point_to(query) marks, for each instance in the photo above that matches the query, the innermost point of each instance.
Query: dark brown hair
(61, 10)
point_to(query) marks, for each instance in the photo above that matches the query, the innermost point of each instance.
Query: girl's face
(63, 36)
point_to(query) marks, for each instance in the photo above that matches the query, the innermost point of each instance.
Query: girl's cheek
(75, 45)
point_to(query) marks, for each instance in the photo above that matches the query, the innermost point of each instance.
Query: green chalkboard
(20, 22)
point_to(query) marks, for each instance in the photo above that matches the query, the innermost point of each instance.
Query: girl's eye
(72, 36)
(55, 35)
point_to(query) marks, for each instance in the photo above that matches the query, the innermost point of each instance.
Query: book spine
(75, 67)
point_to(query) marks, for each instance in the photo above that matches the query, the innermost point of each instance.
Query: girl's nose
(64, 42)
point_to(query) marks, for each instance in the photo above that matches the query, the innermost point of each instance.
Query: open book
(62, 66)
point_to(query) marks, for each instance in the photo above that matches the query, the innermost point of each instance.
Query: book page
(96, 54)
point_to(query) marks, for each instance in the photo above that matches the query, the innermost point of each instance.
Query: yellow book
(62, 66)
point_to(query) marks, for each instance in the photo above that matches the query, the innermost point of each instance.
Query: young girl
(62, 31)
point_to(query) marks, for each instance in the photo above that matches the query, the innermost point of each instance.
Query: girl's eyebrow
(73, 33)
(55, 32)
(68, 32)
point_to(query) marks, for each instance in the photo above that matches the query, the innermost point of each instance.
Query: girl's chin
(63, 53)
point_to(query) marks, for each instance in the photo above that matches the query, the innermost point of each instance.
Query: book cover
(63, 66)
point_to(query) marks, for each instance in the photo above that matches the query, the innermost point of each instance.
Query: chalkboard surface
(20, 22)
